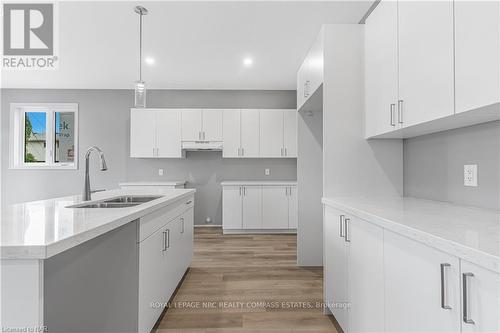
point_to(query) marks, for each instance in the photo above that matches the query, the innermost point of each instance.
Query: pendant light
(140, 86)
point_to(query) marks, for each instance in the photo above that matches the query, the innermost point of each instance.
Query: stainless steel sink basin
(118, 202)
(133, 199)
(107, 205)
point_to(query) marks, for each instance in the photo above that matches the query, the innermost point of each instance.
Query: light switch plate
(470, 175)
(160, 172)
(267, 172)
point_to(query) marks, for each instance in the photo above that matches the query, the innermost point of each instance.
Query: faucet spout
(102, 166)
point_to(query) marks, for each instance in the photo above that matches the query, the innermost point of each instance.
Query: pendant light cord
(140, 47)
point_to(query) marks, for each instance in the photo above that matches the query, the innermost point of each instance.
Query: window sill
(44, 167)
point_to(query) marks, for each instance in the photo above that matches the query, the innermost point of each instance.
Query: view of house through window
(35, 137)
(44, 135)
(64, 137)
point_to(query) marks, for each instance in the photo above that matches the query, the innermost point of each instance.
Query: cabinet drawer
(152, 222)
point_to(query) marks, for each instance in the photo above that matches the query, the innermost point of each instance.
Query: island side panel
(93, 287)
(21, 294)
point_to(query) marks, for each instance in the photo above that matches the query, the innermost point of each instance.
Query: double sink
(118, 202)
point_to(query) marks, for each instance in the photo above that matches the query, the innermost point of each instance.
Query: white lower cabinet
(259, 208)
(354, 272)
(418, 296)
(376, 280)
(480, 298)
(164, 257)
(252, 207)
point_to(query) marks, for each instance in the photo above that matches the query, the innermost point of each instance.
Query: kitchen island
(66, 268)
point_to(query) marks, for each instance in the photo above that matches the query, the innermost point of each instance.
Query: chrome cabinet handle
(238, 151)
(154, 150)
(286, 154)
(400, 111)
(168, 239)
(286, 191)
(341, 225)
(465, 299)
(203, 135)
(393, 114)
(346, 235)
(244, 190)
(187, 203)
(242, 151)
(182, 225)
(240, 190)
(281, 151)
(164, 241)
(444, 288)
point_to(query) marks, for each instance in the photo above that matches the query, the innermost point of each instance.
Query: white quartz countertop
(472, 234)
(153, 183)
(259, 182)
(41, 229)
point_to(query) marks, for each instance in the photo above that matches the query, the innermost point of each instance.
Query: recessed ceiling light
(149, 60)
(248, 62)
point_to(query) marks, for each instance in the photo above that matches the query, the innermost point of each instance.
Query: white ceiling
(196, 45)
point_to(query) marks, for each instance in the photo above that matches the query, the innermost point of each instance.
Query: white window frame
(16, 146)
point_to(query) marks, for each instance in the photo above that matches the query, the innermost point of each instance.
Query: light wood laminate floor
(247, 283)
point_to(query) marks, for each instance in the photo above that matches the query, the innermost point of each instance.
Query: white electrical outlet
(470, 175)
(267, 172)
(160, 172)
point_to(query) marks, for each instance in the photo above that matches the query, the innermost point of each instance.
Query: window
(44, 136)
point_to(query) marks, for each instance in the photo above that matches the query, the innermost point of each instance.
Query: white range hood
(202, 145)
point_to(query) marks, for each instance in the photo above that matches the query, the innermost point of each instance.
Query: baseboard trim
(208, 225)
(258, 231)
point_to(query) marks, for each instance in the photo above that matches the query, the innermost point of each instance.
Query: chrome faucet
(86, 191)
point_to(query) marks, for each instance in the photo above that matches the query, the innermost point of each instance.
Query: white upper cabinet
(212, 125)
(249, 133)
(426, 78)
(155, 133)
(271, 133)
(381, 69)
(142, 133)
(290, 133)
(427, 62)
(477, 54)
(310, 73)
(192, 125)
(168, 133)
(231, 129)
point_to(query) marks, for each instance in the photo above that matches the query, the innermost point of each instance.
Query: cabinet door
(212, 125)
(252, 207)
(482, 300)
(274, 207)
(250, 133)
(152, 277)
(426, 79)
(365, 275)
(477, 50)
(231, 126)
(290, 133)
(301, 83)
(335, 267)
(142, 133)
(172, 262)
(232, 209)
(381, 69)
(271, 133)
(186, 231)
(293, 213)
(168, 133)
(191, 125)
(413, 294)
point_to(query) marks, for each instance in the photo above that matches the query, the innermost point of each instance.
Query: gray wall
(104, 120)
(310, 181)
(433, 165)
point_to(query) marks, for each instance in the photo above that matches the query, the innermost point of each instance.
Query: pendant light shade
(140, 85)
